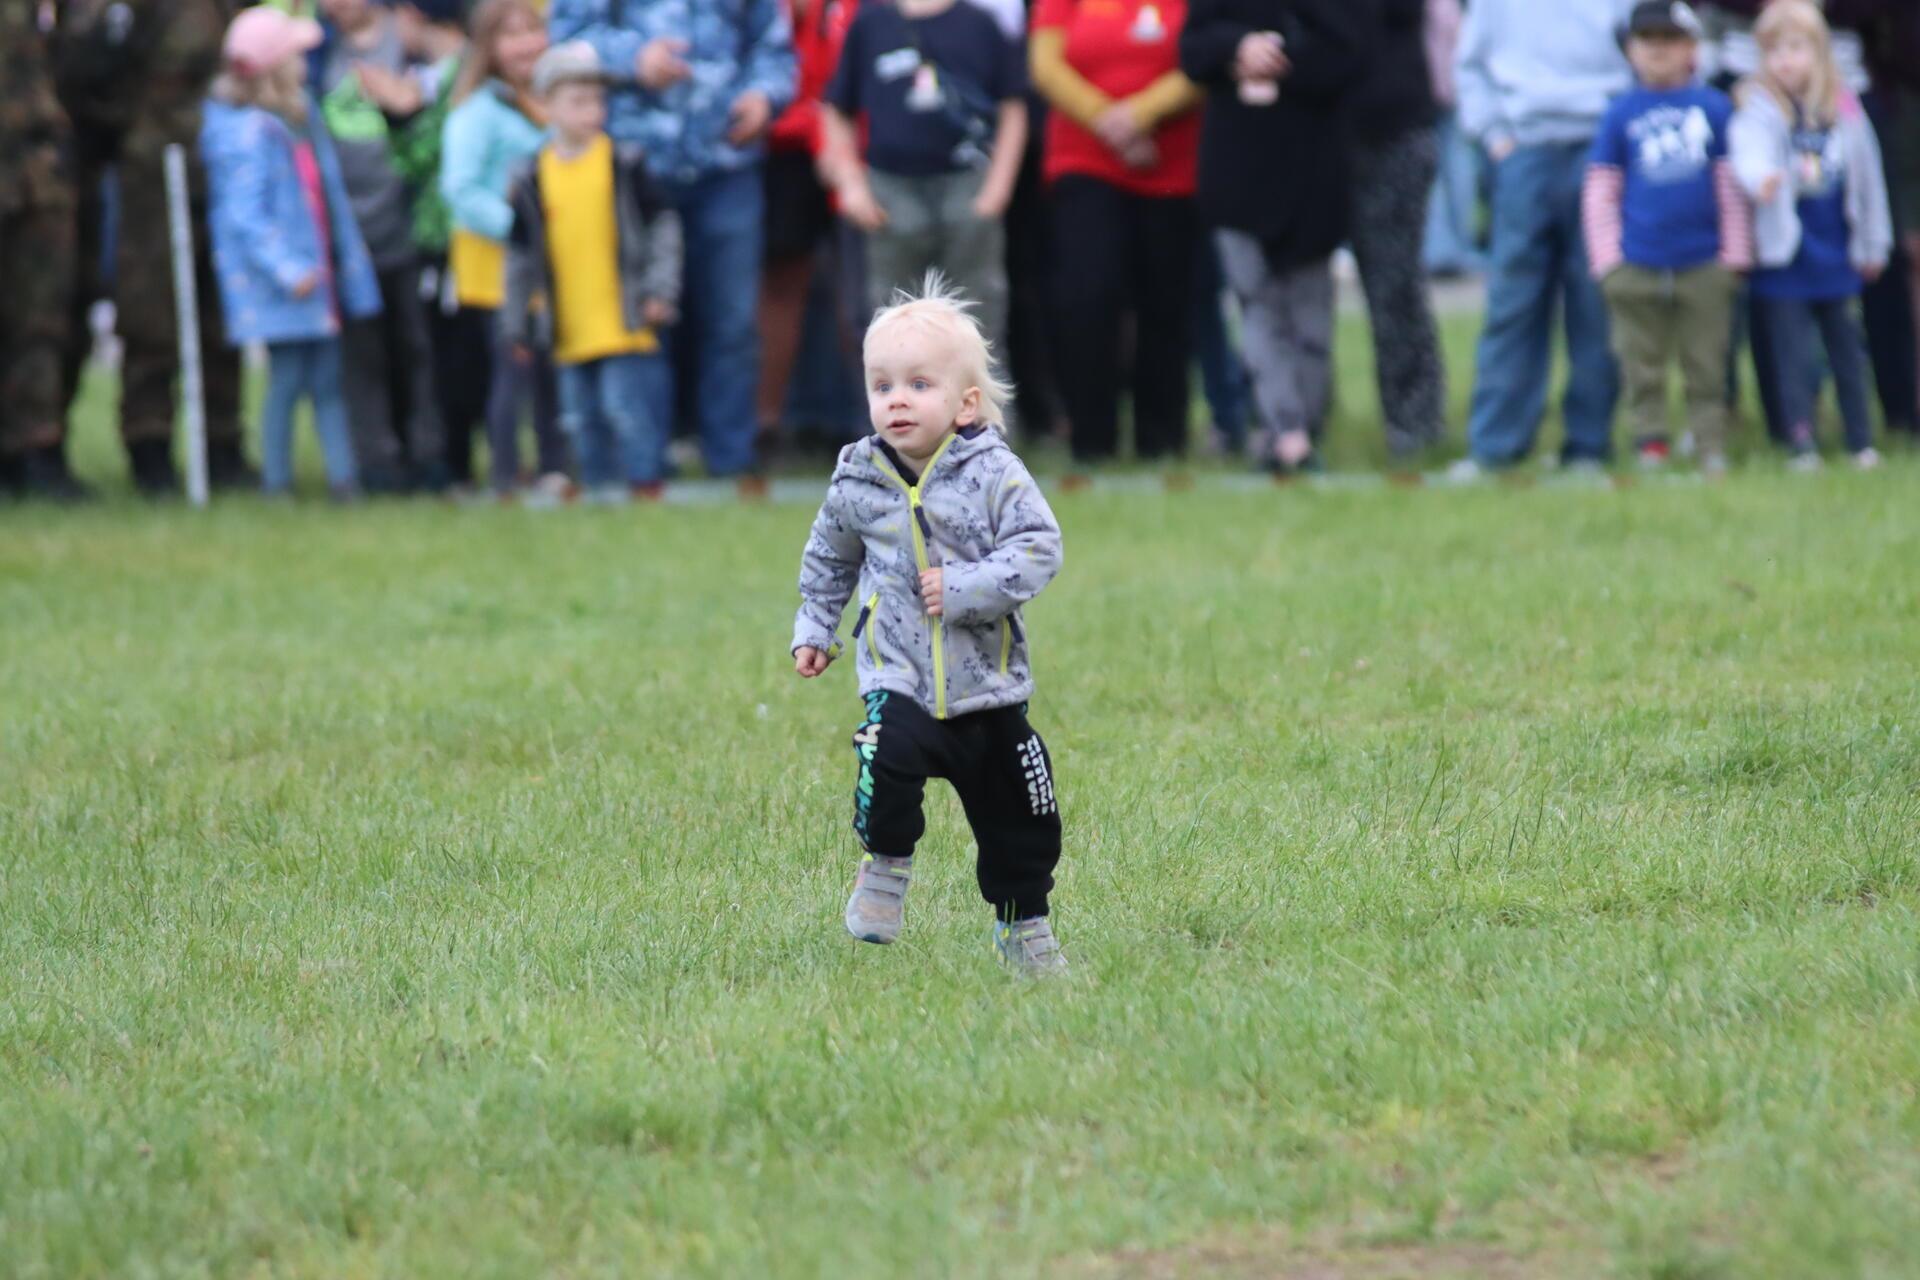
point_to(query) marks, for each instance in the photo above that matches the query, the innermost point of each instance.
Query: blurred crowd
(593, 227)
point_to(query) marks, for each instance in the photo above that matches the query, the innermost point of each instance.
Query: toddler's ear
(969, 408)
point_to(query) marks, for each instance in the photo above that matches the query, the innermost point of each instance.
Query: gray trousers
(931, 223)
(1286, 332)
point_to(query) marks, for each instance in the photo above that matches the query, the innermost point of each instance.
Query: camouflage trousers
(143, 299)
(37, 262)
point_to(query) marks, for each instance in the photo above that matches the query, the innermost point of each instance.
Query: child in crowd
(938, 528)
(593, 270)
(942, 88)
(494, 127)
(291, 263)
(1667, 231)
(1805, 152)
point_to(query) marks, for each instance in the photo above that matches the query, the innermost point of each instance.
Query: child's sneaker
(879, 900)
(1029, 948)
(1654, 455)
(1866, 459)
(1713, 466)
(1805, 462)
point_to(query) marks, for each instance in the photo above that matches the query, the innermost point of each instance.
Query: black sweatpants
(1004, 777)
(1115, 252)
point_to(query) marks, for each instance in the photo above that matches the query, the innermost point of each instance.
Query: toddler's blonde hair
(941, 309)
(1823, 91)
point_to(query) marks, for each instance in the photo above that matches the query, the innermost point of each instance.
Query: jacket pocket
(869, 623)
(1010, 635)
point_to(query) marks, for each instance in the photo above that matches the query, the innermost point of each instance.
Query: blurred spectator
(1893, 301)
(37, 261)
(1122, 151)
(593, 275)
(1534, 81)
(1453, 218)
(1395, 157)
(1030, 321)
(1667, 231)
(710, 80)
(1275, 177)
(938, 87)
(1806, 154)
(397, 433)
(1223, 369)
(799, 216)
(292, 264)
(434, 35)
(494, 128)
(131, 91)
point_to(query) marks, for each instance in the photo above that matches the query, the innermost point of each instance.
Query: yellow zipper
(920, 558)
(873, 619)
(1006, 644)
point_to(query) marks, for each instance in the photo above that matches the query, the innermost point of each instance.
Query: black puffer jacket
(1279, 172)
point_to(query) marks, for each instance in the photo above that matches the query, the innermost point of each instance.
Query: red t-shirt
(819, 29)
(1121, 47)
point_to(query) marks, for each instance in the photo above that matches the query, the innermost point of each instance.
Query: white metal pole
(187, 316)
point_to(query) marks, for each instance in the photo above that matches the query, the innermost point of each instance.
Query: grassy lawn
(1506, 882)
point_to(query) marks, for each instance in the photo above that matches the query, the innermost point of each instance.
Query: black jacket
(1278, 172)
(1396, 92)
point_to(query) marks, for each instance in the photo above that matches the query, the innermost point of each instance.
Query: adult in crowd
(1395, 158)
(1534, 81)
(494, 128)
(365, 92)
(131, 92)
(708, 80)
(434, 33)
(799, 216)
(1030, 337)
(37, 262)
(1892, 303)
(1453, 218)
(1122, 150)
(1275, 183)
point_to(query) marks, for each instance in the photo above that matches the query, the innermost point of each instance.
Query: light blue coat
(486, 140)
(264, 239)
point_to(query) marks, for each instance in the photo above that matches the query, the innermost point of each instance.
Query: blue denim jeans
(1223, 374)
(1538, 267)
(607, 410)
(721, 219)
(1453, 213)
(309, 370)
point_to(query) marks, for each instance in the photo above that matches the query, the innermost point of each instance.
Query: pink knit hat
(260, 39)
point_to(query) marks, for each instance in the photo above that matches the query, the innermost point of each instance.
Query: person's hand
(658, 311)
(1500, 147)
(751, 113)
(394, 93)
(1261, 56)
(1117, 127)
(933, 592)
(991, 203)
(810, 662)
(305, 285)
(1873, 271)
(660, 66)
(1142, 154)
(858, 206)
(1769, 188)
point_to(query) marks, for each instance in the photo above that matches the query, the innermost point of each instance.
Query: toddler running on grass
(939, 530)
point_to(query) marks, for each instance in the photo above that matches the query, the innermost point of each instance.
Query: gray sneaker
(1029, 948)
(879, 898)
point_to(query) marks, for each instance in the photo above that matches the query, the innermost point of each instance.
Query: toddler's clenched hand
(933, 592)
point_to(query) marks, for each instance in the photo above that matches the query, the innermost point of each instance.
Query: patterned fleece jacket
(976, 514)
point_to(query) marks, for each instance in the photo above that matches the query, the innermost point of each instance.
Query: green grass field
(1506, 882)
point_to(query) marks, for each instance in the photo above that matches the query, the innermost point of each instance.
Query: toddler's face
(578, 111)
(1662, 60)
(916, 394)
(1790, 61)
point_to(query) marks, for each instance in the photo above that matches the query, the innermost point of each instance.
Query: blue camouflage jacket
(733, 46)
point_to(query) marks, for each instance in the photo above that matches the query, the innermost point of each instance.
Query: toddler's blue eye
(883, 387)
(919, 384)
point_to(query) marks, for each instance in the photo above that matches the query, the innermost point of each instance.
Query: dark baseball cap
(1664, 18)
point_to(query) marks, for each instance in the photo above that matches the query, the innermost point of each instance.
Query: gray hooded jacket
(1760, 144)
(975, 513)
